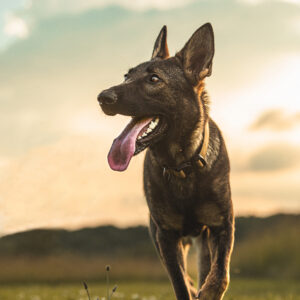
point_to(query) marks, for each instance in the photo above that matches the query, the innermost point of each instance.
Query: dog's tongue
(123, 146)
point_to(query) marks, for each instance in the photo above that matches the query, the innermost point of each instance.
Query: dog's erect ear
(160, 49)
(197, 54)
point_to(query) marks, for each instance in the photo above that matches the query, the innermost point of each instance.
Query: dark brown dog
(186, 169)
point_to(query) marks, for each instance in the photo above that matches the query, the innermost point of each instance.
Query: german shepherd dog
(186, 168)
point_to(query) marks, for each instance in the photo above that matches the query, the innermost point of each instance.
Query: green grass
(240, 289)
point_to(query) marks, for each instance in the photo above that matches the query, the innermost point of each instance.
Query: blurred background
(56, 56)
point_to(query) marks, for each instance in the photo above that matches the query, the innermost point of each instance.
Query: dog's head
(163, 96)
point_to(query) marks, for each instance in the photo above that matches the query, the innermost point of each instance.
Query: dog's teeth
(152, 125)
(150, 128)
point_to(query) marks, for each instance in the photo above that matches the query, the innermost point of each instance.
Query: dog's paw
(207, 295)
(210, 293)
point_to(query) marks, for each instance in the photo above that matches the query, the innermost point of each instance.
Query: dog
(186, 167)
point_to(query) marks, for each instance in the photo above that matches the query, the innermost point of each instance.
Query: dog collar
(198, 159)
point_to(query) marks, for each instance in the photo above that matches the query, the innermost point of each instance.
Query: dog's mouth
(137, 136)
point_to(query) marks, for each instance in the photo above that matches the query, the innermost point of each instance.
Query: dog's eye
(125, 77)
(154, 78)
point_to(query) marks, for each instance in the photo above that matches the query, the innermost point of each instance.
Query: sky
(56, 56)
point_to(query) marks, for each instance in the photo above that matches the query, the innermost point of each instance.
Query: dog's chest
(181, 188)
(182, 206)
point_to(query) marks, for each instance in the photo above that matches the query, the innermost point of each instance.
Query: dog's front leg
(220, 243)
(171, 251)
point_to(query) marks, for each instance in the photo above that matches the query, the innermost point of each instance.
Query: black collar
(198, 160)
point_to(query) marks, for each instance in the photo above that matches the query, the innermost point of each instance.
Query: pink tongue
(123, 146)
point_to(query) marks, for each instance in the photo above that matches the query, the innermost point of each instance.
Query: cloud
(46, 8)
(292, 1)
(43, 8)
(15, 26)
(266, 192)
(70, 184)
(274, 157)
(251, 2)
(256, 2)
(277, 120)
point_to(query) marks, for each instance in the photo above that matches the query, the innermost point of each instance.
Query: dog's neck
(175, 153)
(197, 143)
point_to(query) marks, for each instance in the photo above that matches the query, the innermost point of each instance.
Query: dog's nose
(107, 97)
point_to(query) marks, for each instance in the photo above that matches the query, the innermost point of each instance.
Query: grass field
(240, 289)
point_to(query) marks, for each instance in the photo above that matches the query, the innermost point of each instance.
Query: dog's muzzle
(107, 97)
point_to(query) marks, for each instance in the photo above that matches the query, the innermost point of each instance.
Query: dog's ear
(160, 49)
(197, 54)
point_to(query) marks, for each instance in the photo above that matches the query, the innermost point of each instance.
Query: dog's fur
(198, 205)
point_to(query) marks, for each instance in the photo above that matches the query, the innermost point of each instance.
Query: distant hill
(265, 247)
(103, 240)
